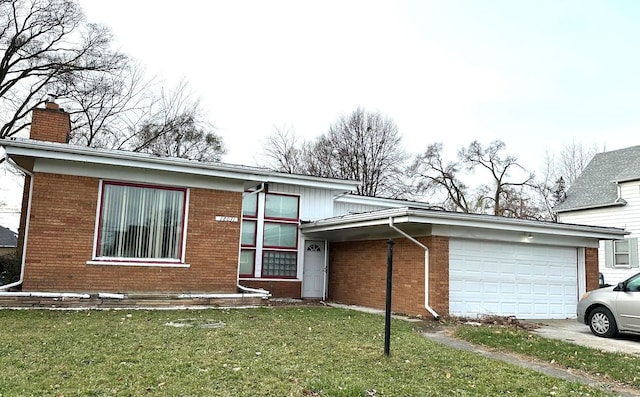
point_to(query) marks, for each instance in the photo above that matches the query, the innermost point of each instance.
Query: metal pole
(387, 315)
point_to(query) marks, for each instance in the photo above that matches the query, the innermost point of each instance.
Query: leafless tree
(431, 175)
(105, 106)
(282, 152)
(363, 146)
(572, 159)
(175, 126)
(44, 43)
(499, 167)
(500, 195)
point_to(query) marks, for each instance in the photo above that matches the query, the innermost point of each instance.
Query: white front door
(314, 268)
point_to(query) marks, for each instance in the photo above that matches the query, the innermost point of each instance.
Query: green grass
(258, 352)
(623, 368)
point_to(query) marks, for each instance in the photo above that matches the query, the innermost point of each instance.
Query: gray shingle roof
(596, 185)
(8, 238)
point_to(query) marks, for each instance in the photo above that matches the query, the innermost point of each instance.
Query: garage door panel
(522, 280)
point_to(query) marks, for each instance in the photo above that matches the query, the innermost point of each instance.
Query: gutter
(426, 267)
(26, 227)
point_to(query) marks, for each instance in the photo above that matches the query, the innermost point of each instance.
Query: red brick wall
(358, 271)
(60, 241)
(278, 289)
(591, 268)
(50, 124)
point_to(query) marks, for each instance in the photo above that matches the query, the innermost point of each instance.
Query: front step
(35, 300)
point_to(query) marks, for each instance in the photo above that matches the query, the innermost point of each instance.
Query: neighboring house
(607, 193)
(112, 221)
(8, 241)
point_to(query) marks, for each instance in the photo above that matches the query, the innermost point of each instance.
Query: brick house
(98, 220)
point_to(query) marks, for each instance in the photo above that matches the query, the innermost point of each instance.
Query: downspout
(426, 268)
(241, 287)
(26, 228)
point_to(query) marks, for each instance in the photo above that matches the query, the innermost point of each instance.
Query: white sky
(536, 74)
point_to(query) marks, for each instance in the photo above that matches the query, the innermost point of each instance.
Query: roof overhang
(419, 222)
(620, 203)
(24, 151)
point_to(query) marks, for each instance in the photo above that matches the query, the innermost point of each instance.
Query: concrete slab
(572, 331)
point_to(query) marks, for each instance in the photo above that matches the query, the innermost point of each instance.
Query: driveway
(571, 331)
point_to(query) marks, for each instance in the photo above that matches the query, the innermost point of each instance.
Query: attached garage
(458, 264)
(523, 280)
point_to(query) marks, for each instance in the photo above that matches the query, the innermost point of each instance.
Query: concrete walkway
(572, 331)
(568, 330)
(545, 368)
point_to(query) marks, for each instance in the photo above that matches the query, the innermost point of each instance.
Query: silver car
(614, 309)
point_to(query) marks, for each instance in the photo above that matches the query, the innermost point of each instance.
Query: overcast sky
(535, 74)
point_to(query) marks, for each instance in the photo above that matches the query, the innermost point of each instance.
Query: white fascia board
(405, 215)
(394, 203)
(592, 207)
(63, 151)
(313, 181)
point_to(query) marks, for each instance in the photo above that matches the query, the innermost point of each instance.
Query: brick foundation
(278, 289)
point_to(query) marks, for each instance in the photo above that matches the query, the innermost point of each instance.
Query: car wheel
(602, 323)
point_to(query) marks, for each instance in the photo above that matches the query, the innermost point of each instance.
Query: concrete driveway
(571, 331)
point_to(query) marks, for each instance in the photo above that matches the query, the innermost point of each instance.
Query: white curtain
(141, 222)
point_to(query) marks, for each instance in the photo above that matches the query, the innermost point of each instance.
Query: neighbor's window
(621, 253)
(140, 222)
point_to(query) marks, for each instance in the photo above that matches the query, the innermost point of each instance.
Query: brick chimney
(50, 124)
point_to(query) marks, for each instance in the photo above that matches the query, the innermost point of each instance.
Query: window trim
(255, 234)
(161, 262)
(632, 254)
(280, 247)
(281, 219)
(279, 277)
(253, 265)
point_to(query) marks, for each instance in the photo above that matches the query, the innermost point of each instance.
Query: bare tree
(104, 106)
(573, 158)
(360, 146)
(499, 196)
(499, 167)
(175, 126)
(431, 175)
(44, 43)
(282, 152)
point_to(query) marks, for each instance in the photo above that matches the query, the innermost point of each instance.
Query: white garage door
(508, 279)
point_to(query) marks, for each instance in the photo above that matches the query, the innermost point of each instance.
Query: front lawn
(623, 368)
(252, 352)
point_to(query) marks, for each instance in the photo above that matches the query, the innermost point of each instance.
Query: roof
(597, 184)
(421, 222)
(8, 238)
(382, 201)
(17, 148)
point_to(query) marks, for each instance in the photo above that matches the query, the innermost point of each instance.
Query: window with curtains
(140, 222)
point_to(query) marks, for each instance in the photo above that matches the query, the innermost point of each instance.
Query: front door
(314, 268)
